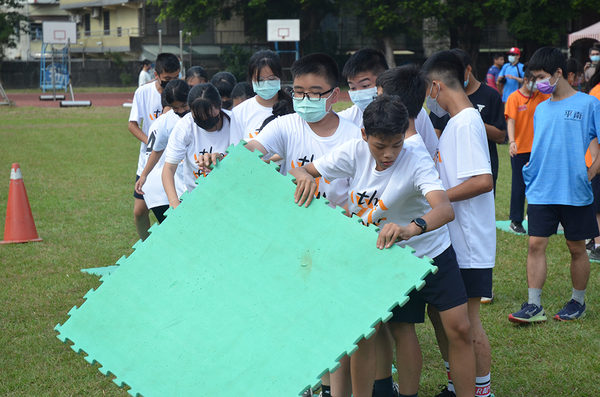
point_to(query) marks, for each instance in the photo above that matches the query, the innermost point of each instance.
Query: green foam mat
(504, 225)
(238, 273)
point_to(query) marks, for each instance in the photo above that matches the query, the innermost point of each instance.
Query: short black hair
(166, 63)
(385, 116)
(176, 91)
(463, 56)
(261, 59)
(592, 48)
(447, 67)
(527, 73)
(365, 60)
(574, 66)
(225, 81)
(549, 59)
(146, 62)
(319, 64)
(243, 89)
(202, 98)
(196, 71)
(498, 55)
(407, 84)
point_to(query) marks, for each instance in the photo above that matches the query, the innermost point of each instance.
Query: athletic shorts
(579, 223)
(478, 282)
(136, 194)
(159, 212)
(596, 191)
(444, 290)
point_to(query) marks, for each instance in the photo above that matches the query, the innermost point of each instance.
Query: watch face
(421, 223)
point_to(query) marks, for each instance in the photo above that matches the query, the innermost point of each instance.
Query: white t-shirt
(422, 124)
(292, 138)
(353, 114)
(154, 192)
(249, 117)
(146, 108)
(144, 78)
(425, 128)
(396, 194)
(463, 153)
(187, 141)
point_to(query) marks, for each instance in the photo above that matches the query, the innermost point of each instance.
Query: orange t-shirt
(521, 108)
(588, 156)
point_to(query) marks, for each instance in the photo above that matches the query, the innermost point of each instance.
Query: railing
(118, 32)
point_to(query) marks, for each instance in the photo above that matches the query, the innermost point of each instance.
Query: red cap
(515, 51)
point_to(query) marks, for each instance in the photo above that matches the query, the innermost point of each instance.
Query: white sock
(450, 384)
(578, 296)
(482, 386)
(535, 296)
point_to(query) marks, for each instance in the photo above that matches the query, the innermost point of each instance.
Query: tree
(464, 21)
(541, 23)
(10, 20)
(385, 19)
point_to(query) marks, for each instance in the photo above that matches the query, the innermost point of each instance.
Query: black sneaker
(517, 227)
(594, 255)
(444, 392)
(590, 245)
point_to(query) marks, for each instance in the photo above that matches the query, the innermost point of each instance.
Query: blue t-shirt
(511, 85)
(562, 132)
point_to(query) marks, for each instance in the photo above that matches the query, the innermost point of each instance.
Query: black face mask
(181, 114)
(208, 123)
(163, 83)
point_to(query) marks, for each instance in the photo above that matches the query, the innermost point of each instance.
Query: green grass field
(78, 167)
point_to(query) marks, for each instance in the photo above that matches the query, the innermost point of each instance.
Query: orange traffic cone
(19, 226)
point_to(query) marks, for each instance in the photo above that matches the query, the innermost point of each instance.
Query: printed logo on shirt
(522, 108)
(254, 134)
(480, 107)
(573, 115)
(369, 204)
(154, 116)
(196, 158)
(151, 142)
(305, 160)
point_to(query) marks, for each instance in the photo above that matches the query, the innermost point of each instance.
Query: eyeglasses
(312, 96)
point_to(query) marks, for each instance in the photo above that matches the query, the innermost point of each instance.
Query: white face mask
(433, 105)
(362, 98)
(512, 58)
(531, 86)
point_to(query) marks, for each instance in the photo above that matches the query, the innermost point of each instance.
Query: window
(106, 19)
(87, 24)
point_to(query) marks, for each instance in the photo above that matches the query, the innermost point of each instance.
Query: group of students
(383, 161)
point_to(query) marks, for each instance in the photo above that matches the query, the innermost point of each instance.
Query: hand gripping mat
(240, 292)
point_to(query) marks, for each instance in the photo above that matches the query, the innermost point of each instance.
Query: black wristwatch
(421, 223)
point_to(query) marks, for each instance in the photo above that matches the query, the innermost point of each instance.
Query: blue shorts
(579, 223)
(478, 282)
(444, 290)
(136, 194)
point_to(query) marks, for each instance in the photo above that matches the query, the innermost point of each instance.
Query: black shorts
(579, 223)
(444, 290)
(596, 191)
(478, 282)
(136, 194)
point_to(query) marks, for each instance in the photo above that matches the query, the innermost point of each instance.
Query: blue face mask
(362, 98)
(467, 81)
(311, 111)
(266, 89)
(595, 58)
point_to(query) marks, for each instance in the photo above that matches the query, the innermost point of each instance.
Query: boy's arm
(510, 127)
(305, 183)
(472, 187)
(152, 160)
(494, 134)
(137, 132)
(595, 167)
(168, 180)
(441, 213)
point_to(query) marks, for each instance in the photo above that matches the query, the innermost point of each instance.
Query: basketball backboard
(59, 32)
(283, 30)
